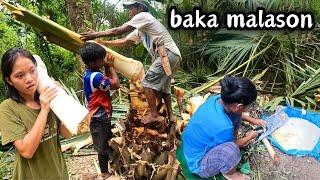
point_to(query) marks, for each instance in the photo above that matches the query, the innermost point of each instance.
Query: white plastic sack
(297, 134)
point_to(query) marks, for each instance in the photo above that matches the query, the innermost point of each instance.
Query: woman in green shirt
(27, 121)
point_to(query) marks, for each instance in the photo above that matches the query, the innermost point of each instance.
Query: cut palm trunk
(75, 119)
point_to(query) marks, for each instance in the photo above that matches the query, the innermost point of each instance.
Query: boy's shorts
(156, 77)
(100, 129)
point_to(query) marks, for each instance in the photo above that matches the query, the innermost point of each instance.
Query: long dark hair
(8, 60)
(238, 90)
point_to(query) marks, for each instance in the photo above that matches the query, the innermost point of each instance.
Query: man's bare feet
(236, 176)
(148, 118)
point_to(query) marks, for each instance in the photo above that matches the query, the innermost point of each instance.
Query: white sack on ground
(297, 134)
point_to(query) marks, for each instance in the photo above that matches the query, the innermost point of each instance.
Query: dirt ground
(262, 168)
(291, 167)
(79, 165)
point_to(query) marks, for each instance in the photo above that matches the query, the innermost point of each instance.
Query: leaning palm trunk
(71, 41)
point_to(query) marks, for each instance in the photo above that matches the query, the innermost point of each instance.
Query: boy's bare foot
(149, 119)
(236, 176)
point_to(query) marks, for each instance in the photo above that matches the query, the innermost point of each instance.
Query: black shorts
(100, 128)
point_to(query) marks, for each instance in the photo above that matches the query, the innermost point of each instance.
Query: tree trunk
(79, 14)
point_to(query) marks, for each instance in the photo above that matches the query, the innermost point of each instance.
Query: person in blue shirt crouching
(210, 143)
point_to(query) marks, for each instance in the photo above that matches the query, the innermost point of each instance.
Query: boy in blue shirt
(96, 86)
(210, 143)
